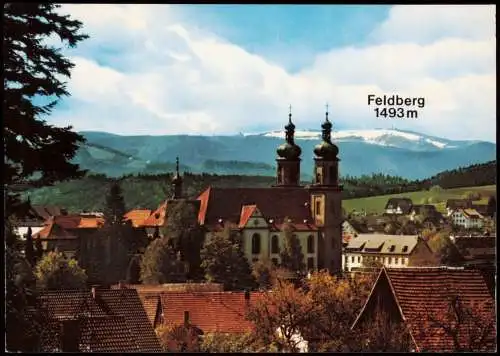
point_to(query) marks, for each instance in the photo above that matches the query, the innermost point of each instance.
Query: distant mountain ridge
(395, 152)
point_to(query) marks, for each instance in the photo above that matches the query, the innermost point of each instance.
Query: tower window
(318, 207)
(275, 248)
(310, 244)
(255, 244)
(275, 261)
(310, 263)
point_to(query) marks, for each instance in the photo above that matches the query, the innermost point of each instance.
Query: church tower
(177, 181)
(288, 162)
(326, 201)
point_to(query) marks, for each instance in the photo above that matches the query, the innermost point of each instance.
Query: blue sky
(222, 69)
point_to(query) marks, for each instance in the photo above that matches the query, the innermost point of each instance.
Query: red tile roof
(137, 217)
(125, 303)
(424, 292)
(246, 212)
(209, 311)
(157, 217)
(51, 230)
(276, 203)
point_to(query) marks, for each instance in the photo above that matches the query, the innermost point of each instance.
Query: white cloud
(431, 23)
(169, 77)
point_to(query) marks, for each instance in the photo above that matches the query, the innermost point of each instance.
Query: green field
(377, 204)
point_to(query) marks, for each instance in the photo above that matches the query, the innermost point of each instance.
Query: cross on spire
(326, 111)
(290, 112)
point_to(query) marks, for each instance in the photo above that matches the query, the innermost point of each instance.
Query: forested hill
(147, 191)
(477, 174)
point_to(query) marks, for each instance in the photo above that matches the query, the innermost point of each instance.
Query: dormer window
(256, 222)
(405, 248)
(392, 248)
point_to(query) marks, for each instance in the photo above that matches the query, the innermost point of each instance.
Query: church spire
(290, 128)
(327, 128)
(177, 181)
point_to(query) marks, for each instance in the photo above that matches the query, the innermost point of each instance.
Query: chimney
(70, 335)
(247, 297)
(186, 318)
(94, 291)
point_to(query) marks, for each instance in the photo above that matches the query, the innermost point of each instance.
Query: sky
(225, 69)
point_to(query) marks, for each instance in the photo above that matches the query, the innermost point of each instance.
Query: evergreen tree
(160, 264)
(185, 235)
(28, 248)
(224, 262)
(291, 254)
(114, 209)
(34, 151)
(33, 84)
(492, 206)
(38, 249)
(134, 270)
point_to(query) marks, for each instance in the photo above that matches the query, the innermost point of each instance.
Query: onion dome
(326, 149)
(289, 150)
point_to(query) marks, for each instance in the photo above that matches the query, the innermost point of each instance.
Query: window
(393, 247)
(275, 247)
(396, 260)
(318, 207)
(359, 259)
(255, 244)
(310, 244)
(310, 263)
(405, 248)
(352, 259)
(255, 259)
(405, 261)
(275, 261)
(390, 260)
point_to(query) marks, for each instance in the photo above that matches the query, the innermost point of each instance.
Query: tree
(471, 195)
(179, 338)
(470, 326)
(34, 71)
(22, 328)
(337, 301)
(445, 250)
(160, 264)
(492, 206)
(134, 270)
(29, 252)
(186, 235)
(220, 343)
(263, 272)
(381, 334)
(54, 271)
(281, 316)
(291, 254)
(224, 262)
(38, 249)
(115, 209)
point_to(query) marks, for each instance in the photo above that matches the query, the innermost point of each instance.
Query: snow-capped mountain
(381, 137)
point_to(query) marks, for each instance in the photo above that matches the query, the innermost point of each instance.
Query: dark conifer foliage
(29, 251)
(34, 150)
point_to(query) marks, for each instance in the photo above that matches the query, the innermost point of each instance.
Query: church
(313, 212)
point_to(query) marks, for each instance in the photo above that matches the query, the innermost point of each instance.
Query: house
(395, 251)
(137, 217)
(65, 232)
(427, 210)
(479, 252)
(454, 204)
(398, 206)
(313, 212)
(150, 295)
(467, 218)
(100, 320)
(35, 218)
(430, 300)
(352, 228)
